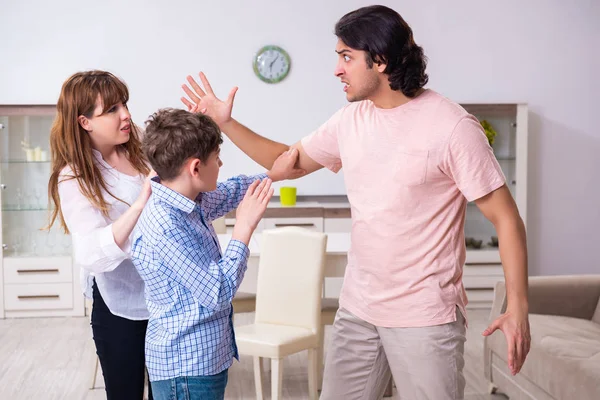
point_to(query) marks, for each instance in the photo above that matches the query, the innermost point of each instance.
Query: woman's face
(110, 128)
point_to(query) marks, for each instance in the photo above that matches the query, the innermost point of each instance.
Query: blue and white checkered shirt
(189, 285)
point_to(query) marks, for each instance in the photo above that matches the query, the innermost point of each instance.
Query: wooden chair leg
(320, 358)
(95, 373)
(313, 373)
(258, 378)
(147, 385)
(276, 378)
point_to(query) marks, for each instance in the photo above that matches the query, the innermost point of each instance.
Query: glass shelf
(482, 248)
(24, 208)
(12, 254)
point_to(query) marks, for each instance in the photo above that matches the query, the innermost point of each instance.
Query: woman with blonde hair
(99, 187)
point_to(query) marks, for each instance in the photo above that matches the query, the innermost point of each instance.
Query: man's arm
(260, 149)
(265, 151)
(499, 207)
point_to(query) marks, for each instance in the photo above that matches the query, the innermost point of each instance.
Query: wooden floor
(53, 358)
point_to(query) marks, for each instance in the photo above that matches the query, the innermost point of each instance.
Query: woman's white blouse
(94, 247)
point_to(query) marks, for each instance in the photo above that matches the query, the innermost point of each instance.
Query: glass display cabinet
(506, 124)
(38, 278)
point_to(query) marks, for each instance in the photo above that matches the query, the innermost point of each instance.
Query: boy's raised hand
(251, 209)
(206, 102)
(285, 167)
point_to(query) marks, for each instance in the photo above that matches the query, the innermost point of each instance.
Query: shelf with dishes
(37, 276)
(38, 243)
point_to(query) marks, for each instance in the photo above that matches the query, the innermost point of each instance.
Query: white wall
(542, 52)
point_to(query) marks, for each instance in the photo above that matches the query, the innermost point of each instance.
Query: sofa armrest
(499, 304)
(569, 295)
(498, 308)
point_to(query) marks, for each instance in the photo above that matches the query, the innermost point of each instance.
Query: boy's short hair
(173, 136)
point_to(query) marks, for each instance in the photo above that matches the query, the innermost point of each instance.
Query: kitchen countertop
(309, 204)
(332, 207)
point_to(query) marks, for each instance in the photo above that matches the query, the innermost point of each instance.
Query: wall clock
(271, 64)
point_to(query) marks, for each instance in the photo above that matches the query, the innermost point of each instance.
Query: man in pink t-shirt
(412, 160)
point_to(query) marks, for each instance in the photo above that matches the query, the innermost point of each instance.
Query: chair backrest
(290, 277)
(219, 225)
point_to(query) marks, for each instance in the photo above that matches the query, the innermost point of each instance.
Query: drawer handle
(39, 296)
(36, 271)
(282, 225)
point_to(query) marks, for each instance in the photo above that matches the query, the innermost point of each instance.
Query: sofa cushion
(564, 359)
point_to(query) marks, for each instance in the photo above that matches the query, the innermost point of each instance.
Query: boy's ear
(195, 166)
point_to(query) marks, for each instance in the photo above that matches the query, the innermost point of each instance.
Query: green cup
(287, 196)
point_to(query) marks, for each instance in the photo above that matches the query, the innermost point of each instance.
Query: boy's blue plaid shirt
(189, 284)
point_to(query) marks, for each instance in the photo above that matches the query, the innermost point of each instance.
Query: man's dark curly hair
(386, 38)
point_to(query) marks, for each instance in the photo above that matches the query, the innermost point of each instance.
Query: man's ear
(381, 67)
(84, 123)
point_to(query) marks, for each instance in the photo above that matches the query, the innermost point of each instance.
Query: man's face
(361, 81)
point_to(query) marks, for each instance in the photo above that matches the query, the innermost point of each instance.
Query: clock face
(271, 64)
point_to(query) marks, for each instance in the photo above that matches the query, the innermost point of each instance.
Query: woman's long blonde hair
(70, 144)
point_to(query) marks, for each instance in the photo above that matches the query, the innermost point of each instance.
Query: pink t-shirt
(409, 172)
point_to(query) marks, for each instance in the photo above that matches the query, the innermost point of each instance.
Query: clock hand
(273, 62)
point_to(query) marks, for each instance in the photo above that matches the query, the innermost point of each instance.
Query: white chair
(243, 303)
(288, 304)
(329, 308)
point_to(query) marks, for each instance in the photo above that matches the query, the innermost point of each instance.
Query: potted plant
(490, 132)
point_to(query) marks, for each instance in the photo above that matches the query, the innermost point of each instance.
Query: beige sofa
(564, 360)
